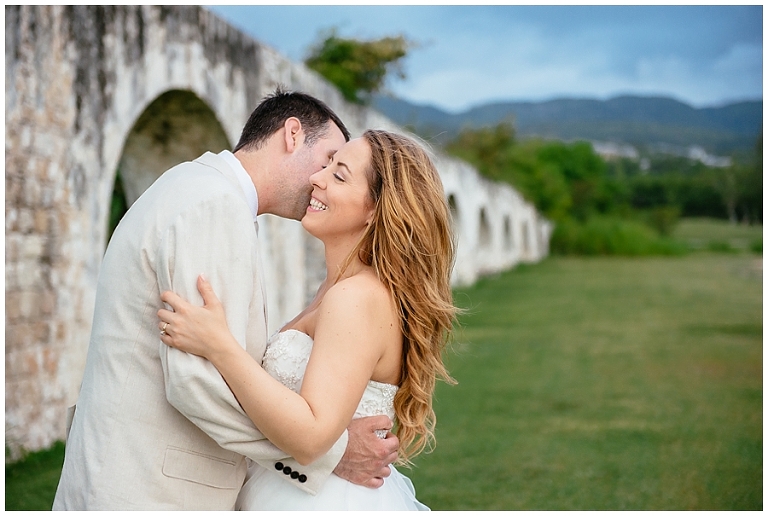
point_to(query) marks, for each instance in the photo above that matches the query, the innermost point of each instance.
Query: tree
(358, 68)
(487, 148)
(584, 172)
(495, 153)
(751, 191)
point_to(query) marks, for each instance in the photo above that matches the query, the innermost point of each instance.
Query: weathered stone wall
(94, 89)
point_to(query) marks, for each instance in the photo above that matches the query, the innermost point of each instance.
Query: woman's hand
(200, 330)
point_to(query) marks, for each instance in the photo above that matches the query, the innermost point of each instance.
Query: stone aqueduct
(91, 90)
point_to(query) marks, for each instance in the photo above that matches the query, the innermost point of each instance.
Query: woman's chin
(307, 224)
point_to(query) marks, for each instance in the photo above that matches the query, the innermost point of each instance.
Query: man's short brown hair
(276, 108)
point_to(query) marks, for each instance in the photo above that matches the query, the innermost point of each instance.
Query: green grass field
(30, 485)
(605, 384)
(587, 384)
(700, 233)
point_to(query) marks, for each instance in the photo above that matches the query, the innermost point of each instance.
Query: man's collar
(246, 183)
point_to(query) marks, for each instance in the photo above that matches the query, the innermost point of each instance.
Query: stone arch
(509, 241)
(93, 90)
(455, 214)
(527, 238)
(484, 231)
(177, 126)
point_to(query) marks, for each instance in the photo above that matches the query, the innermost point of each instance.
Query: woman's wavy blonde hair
(411, 247)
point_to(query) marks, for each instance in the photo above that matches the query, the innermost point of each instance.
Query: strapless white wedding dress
(286, 359)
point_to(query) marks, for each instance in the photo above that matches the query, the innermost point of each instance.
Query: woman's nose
(316, 179)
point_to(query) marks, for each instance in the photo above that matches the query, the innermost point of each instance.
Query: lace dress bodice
(266, 489)
(286, 360)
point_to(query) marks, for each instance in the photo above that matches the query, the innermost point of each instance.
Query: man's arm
(200, 241)
(217, 239)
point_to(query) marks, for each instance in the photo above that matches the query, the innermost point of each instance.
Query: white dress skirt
(286, 360)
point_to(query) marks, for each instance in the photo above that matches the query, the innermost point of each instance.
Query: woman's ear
(371, 215)
(293, 133)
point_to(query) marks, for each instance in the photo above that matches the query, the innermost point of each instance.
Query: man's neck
(257, 166)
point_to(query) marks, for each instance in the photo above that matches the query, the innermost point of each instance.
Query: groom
(156, 428)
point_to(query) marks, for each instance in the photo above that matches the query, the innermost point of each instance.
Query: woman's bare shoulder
(363, 291)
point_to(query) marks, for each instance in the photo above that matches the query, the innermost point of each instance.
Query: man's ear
(293, 134)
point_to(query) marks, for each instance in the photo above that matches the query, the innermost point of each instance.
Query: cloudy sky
(471, 55)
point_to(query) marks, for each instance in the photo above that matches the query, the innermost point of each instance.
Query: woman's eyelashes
(335, 174)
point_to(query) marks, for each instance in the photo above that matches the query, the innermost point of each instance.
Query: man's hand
(367, 458)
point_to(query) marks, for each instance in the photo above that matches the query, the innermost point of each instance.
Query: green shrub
(663, 218)
(756, 246)
(610, 236)
(721, 246)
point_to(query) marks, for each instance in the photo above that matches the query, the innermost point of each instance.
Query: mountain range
(647, 123)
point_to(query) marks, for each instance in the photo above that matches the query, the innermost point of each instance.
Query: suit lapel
(214, 161)
(260, 272)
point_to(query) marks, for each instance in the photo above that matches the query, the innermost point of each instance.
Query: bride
(369, 343)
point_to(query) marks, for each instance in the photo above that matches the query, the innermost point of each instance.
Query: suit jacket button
(287, 470)
(278, 466)
(295, 475)
(302, 478)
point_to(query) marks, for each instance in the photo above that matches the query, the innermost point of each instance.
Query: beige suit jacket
(156, 428)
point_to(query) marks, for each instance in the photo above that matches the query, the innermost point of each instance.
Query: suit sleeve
(216, 237)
